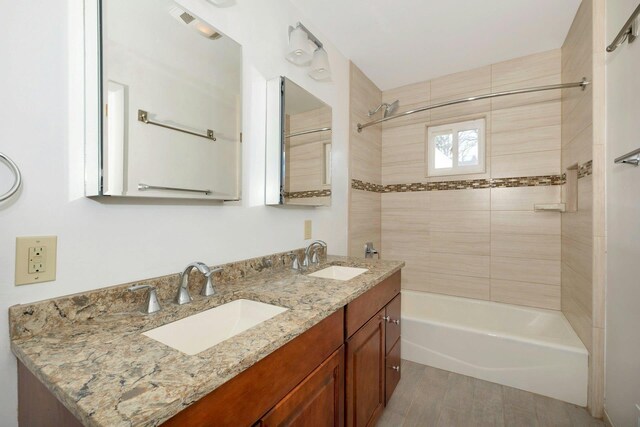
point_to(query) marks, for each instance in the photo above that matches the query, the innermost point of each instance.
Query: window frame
(454, 128)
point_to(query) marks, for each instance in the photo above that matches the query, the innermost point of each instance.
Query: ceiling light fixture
(194, 23)
(305, 49)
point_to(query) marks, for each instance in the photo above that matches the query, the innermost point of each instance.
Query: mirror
(170, 104)
(298, 146)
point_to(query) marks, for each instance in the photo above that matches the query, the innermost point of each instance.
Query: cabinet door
(316, 401)
(393, 322)
(365, 373)
(393, 371)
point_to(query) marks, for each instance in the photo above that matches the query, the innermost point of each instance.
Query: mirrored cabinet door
(171, 94)
(298, 146)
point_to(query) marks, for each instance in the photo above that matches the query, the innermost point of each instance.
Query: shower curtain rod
(583, 84)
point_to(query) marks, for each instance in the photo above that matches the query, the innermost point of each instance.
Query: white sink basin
(201, 331)
(337, 272)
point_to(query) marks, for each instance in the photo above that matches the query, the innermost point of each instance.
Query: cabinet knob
(396, 321)
(395, 368)
(386, 318)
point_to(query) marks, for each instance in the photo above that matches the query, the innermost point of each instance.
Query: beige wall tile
(526, 68)
(416, 93)
(526, 117)
(465, 83)
(579, 150)
(521, 222)
(579, 225)
(403, 154)
(577, 118)
(364, 221)
(529, 164)
(527, 246)
(578, 256)
(599, 281)
(523, 198)
(526, 270)
(449, 284)
(456, 264)
(576, 303)
(460, 243)
(460, 221)
(543, 138)
(460, 200)
(529, 294)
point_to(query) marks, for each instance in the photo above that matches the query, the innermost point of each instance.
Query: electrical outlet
(35, 259)
(307, 229)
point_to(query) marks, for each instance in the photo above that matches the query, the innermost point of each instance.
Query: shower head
(389, 109)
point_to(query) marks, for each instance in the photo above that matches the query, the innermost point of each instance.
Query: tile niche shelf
(550, 207)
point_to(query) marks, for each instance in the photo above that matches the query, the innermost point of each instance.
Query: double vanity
(272, 346)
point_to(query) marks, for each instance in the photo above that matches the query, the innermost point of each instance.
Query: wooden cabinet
(373, 351)
(366, 373)
(317, 401)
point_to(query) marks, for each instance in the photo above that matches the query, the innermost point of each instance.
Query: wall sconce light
(302, 43)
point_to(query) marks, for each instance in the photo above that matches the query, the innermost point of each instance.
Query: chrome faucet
(183, 296)
(313, 251)
(370, 251)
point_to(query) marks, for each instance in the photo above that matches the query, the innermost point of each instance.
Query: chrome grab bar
(145, 187)
(16, 173)
(582, 84)
(626, 33)
(143, 116)
(631, 158)
(305, 132)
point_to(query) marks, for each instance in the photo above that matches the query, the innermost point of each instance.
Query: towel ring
(16, 172)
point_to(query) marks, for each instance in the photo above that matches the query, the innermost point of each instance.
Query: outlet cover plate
(23, 244)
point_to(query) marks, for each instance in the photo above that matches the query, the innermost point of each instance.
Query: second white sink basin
(201, 331)
(337, 272)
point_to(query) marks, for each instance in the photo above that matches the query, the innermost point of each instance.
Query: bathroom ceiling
(407, 41)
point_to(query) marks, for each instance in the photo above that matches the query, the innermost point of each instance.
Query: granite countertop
(108, 374)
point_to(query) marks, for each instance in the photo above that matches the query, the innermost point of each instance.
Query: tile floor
(428, 397)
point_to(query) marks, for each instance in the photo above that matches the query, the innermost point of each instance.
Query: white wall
(102, 244)
(622, 371)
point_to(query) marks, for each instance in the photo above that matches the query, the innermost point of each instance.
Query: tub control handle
(395, 368)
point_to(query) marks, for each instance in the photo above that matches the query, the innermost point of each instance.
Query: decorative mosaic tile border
(307, 194)
(367, 186)
(469, 184)
(585, 169)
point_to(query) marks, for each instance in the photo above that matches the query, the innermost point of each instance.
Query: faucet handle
(208, 289)
(152, 304)
(295, 265)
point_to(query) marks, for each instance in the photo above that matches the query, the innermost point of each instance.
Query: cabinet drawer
(363, 308)
(393, 322)
(393, 368)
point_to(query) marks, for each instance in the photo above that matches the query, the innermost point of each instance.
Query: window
(456, 148)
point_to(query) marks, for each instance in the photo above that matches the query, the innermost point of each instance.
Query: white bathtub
(526, 348)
